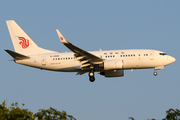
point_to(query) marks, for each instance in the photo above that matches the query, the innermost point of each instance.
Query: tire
(155, 73)
(92, 79)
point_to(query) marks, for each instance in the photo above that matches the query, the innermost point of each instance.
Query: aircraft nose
(172, 59)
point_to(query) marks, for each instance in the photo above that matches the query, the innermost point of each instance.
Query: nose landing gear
(91, 75)
(155, 73)
(157, 68)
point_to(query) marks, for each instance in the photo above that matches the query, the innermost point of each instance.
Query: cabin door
(151, 55)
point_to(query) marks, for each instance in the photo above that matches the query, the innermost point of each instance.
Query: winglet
(61, 37)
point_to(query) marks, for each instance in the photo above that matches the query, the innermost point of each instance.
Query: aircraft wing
(81, 55)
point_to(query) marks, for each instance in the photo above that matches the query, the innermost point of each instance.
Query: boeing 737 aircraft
(111, 63)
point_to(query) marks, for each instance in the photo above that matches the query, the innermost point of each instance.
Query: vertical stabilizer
(22, 43)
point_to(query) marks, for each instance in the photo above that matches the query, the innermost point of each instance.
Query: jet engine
(113, 73)
(113, 64)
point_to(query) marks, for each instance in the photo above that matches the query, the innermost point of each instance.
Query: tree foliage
(172, 114)
(16, 113)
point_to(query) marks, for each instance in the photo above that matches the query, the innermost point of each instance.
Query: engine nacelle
(113, 64)
(116, 73)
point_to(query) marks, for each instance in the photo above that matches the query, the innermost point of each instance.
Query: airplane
(109, 63)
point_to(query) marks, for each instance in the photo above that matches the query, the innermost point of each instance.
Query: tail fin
(22, 43)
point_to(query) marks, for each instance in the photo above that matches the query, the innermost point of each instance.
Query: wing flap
(85, 65)
(85, 61)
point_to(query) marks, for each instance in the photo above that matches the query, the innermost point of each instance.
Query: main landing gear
(91, 75)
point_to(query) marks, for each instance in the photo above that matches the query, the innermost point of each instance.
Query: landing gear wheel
(92, 79)
(155, 73)
(91, 75)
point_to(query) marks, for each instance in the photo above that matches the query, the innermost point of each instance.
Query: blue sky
(91, 25)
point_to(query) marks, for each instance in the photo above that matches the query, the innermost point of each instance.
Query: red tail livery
(24, 42)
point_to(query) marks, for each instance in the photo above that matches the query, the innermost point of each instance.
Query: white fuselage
(111, 63)
(132, 59)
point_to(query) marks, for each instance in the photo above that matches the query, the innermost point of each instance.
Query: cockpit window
(162, 53)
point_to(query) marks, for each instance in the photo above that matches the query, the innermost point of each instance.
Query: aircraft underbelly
(70, 69)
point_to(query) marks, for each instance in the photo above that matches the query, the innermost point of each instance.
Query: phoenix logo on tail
(24, 42)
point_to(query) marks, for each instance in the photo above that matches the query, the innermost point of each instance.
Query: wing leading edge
(85, 58)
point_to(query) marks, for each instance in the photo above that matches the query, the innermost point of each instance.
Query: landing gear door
(151, 55)
(43, 59)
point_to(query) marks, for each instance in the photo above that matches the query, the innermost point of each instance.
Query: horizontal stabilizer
(16, 55)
